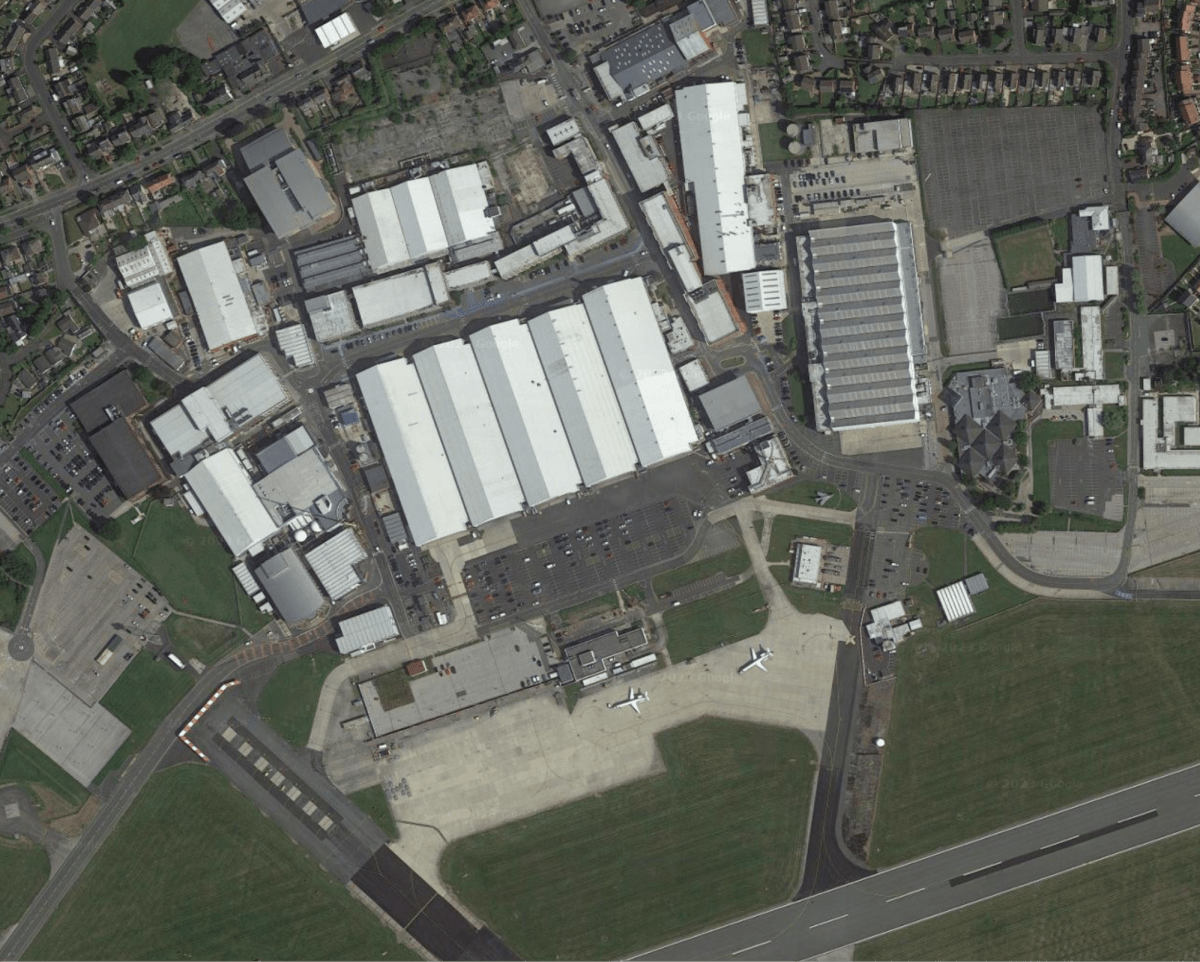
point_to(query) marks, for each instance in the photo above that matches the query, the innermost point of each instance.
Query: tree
(106, 528)
(1038, 507)
(88, 50)
(571, 55)
(1029, 381)
(1115, 419)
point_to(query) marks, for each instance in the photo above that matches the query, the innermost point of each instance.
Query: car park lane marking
(756, 945)
(896, 898)
(827, 921)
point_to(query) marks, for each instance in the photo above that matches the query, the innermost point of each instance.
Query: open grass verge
(17, 573)
(1025, 255)
(732, 562)
(22, 762)
(141, 698)
(225, 881)
(785, 528)
(201, 640)
(138, 24)
(634, 594)
(289, 700)
(679, 852)
(758, 48)
(703, 625)
(1044, 433)
(373, 803)
(805, 492)
(808, 600)
(590, 608)
(1079, 697)
(1179, 252)
(52, 482)
(25, 868)
(1140, 905)
(1114, 365)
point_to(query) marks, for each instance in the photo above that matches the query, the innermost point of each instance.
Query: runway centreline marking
(896, 898)
(827, 921)
(1117, 826)
(756, 945)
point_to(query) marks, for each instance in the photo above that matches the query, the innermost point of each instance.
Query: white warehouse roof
(332, 316)
(220, 304)
(400, 295)
(529, 420)
(417, 209)
(469, 431)
(639, 367)
(379, 223)
(710, 137)
(764, 291)
(366, 630)
(584, 393)
(955, 601)
(150, 304)
(223, 488)
(413, 450)
(462, 202)
(138, 267)
(333, 563)
(338, 30)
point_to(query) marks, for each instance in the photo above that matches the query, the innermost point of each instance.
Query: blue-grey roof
(643, 57)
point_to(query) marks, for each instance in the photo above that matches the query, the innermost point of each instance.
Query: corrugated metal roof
(417, 209)
(462, 202)
(371, 627)
(583, 392)
(412, 449)
(289, 586)
(532, 428)
(224, 490)
(379, 223)
(640, 369)
(470, 432)
(333, 563)
(400, 295)
(217, 295)
(955, 601)
(294, 343)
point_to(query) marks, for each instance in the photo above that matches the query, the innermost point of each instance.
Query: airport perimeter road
(953, 878)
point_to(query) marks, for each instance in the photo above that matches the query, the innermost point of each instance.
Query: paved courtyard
(972, 296)
(1078, 554)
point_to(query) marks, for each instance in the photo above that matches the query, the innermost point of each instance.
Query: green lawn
(732, 562)
(195, 871)
(1114, 365)
(1059, 233)
(373, 802)
(15, 589)
(951, 556)
(194, 210)
(758, 48)
(805, 492)
(289, 700)
(1025, 256)
(24, 763)
(717, 836)
(1017, 326)
(591, 607)
(808, 600)
(799, 394)
(138, 24)
(25, 868)
(1030, 710)
(774, 143)
(1044, 432)
(1178, 251)
(393, 689)
(187, 563)
(784, 529)
(634, 594)
(141, 698)
(202, 640)
(725, 617)
(1140, 905)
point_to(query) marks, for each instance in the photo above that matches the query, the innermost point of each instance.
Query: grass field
(141, 698)
(138, 24)
(1114, 365)
(187, 563)
(805, 492)
(1030, 710)
(202, 639)
(289, 700)
(373, 803)
(1178, 251)
(1025, 256)
(590, 608)
(393, 690)
(1044, 432)
(784, 529)
(23, 762)
(194, 870)
(758, 48)
(1140, 905)
(774, 143)
(14, 592)
(951, 556)
(25, 868)
(732, 562)
(725, 617)
(1017, 326)
(716, 836)
(808, 600)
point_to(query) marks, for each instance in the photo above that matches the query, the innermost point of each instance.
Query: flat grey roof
(289, 586)
(730, 403)
(118, 391)
(262, 150)
(1184, 218)
(643, 57)
(124, 459)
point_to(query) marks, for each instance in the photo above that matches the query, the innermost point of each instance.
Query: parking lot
(1084, 474)
(59, 449)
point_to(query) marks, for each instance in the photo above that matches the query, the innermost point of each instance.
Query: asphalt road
(956, 877)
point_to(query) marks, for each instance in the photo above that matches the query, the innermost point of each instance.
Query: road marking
(756, 945)
(827, 921)
(984, 869)
(1151, 811)
(905, 895)
(1061, 841)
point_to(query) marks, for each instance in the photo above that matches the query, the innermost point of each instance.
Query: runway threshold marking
(896, 898)
(1055, 847)
(756, 945)
(827, 921)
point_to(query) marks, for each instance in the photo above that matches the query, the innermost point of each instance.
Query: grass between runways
(1045, 432)
(785, 529)
(24, 868)
(24, 763)
(194, 870)
(1140, 905)
(805, 492)
(951, 556)
(202, 640)
(289, 700)
(141, 698)
(732, 562)
(1025, 256)
(725, 617)
(373, 803)
(717, 836)
(1030, 710)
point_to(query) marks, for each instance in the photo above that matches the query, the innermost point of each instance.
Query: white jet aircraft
(632, 701)
(757, 658)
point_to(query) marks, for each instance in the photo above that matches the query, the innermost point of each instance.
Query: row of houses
(951, 81)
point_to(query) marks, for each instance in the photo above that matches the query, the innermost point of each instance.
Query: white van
(175, 660)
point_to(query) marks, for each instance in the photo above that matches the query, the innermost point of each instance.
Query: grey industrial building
(284, 184)
(103, 414)
(114, 397)
(735, 415)
(985, 407)
(289, 586)
(862, 314)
